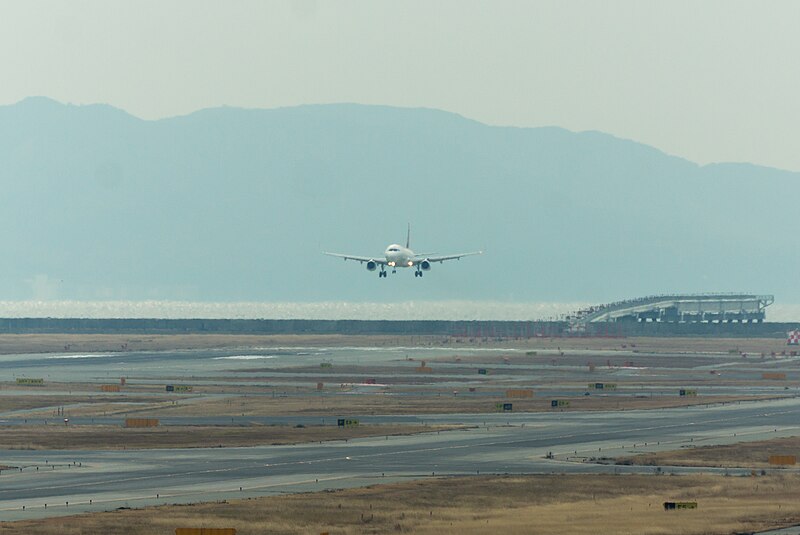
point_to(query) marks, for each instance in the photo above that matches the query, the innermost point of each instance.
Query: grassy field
(545, 505)
(323, 404)
(741, 455)
(421, 405)
(94, 343)
(76, 343)
(100, 403)
(87, 437)
(513, 504)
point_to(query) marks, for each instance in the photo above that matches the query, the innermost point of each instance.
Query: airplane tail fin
(408, 237)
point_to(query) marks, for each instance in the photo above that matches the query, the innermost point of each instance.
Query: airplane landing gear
(381, 273)
(418, 273)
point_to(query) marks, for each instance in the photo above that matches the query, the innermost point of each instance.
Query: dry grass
(752, 346)
(61, 437)
(741, 455)
(511, 505)
(327, 404)
(551, 504)
(49, 343)
(100, 402)
(315, 405)
(75, 343)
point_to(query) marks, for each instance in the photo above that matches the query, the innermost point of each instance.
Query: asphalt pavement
(65, 482)
(55, 483)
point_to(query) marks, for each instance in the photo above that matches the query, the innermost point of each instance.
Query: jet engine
(372, 265)
(425, 265)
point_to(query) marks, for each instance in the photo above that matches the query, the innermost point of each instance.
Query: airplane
(396, 256)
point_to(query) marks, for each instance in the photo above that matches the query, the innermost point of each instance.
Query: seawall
(470, 329)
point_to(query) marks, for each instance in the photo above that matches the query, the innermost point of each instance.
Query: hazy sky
(706, 80)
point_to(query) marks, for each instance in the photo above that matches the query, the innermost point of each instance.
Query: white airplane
(396, 256)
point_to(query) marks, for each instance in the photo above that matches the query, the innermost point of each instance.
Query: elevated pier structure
(680, 308)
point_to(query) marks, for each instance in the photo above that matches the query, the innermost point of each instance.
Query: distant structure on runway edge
(679, 308)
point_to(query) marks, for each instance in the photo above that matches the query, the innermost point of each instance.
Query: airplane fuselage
(399, 256)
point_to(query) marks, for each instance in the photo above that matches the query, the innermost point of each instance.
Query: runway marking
(179, 494)
(410, 451)
(558, 437)
(355, 457)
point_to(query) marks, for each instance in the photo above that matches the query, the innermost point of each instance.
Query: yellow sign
(679, 505)
(783, 459)
(519, 393)
(347, 422)
(602, 386)
(773, 375)
(29, 381)
(141, 422)
(205, 531)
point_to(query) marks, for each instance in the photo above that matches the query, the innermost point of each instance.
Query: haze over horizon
(448, 310)
(208, 152)
(89, 105)
(707, 81)
(507, 253)
(231, 205)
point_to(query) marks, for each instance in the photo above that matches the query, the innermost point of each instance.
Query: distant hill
(231, 204)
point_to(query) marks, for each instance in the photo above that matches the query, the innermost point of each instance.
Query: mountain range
(231, 204)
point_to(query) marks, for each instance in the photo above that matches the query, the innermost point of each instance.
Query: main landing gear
(382, 273)
(418, 273)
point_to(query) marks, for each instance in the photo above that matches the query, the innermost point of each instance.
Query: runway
(54, 483)
(58, 483)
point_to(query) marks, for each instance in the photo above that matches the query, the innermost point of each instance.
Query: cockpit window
(393, 249)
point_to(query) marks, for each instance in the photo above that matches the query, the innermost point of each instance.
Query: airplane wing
(362, 259)
(442, 258)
